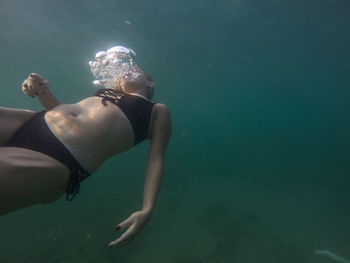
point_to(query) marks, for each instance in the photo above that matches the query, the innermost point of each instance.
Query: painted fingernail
(118, 228)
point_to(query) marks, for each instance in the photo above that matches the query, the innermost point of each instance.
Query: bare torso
(91, 131)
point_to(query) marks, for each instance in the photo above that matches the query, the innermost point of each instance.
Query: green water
(258, 166)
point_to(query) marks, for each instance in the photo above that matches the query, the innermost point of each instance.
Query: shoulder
(161, 121)
(161, 109)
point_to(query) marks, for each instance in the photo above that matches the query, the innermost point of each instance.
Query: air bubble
(100, 55)
(116, 62)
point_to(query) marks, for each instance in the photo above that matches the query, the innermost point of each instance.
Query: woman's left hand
(132, 226)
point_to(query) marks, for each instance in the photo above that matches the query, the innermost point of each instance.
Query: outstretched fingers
(130, 227)
(124, 238)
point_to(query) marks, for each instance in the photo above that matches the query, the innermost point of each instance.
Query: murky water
(259, 162)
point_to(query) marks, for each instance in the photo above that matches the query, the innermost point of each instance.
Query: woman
(45, 154)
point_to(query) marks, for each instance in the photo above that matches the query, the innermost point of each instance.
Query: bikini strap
(77, 175)
(109, 95)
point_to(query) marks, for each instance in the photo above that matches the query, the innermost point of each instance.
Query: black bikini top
(137, 109)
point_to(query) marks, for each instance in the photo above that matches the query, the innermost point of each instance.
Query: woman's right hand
(35, 85)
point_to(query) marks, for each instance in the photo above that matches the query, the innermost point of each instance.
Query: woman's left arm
(160, 135)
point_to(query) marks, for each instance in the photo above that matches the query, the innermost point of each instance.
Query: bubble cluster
(116, 62)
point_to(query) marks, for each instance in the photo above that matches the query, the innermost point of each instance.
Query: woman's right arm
(37, 86)
(160, 134)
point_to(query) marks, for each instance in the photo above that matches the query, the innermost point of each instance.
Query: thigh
(11, 120)
(28, 177)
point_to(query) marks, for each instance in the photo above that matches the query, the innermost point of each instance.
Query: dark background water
(258, 166)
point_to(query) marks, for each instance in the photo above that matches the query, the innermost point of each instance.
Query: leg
(28, 177)
(11, 120)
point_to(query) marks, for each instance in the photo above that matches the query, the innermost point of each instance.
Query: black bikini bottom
(36, 135)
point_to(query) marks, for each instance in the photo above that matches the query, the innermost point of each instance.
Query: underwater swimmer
(44, 154)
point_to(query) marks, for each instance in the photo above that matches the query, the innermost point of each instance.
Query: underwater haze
(258, 167)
